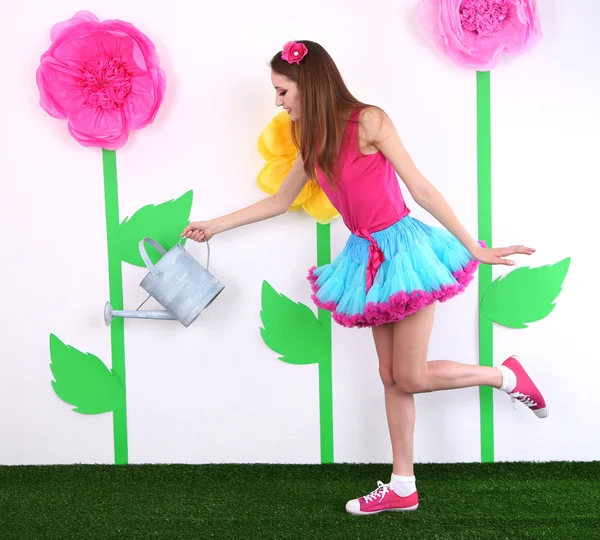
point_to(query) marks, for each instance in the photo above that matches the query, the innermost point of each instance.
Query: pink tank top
(367, 193)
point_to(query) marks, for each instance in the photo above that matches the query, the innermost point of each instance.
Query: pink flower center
(106, 82)
(483, 16)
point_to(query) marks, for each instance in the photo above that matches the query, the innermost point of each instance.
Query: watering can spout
(110, 313)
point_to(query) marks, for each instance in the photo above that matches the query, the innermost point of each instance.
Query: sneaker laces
(381, 491)
(525, 399)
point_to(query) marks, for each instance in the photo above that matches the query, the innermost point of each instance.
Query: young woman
(393, 268)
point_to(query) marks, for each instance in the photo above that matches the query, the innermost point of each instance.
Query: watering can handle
(207, 247)
(144, 254)
(162, 251)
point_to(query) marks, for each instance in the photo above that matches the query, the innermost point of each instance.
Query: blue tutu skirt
(422, 264)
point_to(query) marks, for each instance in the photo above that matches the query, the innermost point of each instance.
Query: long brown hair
(326, 103)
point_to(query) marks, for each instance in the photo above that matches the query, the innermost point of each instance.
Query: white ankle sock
(509, 379)
(403, 485)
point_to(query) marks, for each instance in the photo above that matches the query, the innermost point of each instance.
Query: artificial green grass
(180, 502)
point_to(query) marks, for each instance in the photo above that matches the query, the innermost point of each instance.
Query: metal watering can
(178, 282)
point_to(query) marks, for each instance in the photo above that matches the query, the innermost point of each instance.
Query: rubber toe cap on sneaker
(353, 506)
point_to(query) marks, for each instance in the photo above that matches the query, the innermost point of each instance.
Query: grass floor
(501, 500)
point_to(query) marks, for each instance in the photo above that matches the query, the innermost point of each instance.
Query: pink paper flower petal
(78, 18)
(97, 122)
(140, 103)
(144, 101)
(93, 126)
(146, 47)
(47, 101)
(107, 142)
(62, 84)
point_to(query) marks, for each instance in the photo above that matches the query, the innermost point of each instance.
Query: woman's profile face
(287, 95)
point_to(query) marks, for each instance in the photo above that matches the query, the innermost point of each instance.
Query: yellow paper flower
(276, 147)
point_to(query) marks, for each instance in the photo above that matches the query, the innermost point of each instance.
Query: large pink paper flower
(103, 77)
(474, 33)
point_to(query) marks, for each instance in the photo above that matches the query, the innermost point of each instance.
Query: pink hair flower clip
(294, 52)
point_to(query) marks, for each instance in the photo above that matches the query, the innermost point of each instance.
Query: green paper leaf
(162, 222)
(84, 380)
(291, 329)
(525, 295)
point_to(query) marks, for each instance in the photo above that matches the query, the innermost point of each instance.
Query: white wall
(214, 391)
(545, 138)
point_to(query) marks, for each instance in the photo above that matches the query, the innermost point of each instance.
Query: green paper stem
(115, 284)
(325, 366)
(484, 216)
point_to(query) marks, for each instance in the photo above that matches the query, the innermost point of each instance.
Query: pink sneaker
(383, 499)
(526, 391)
